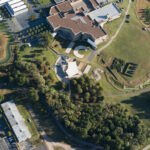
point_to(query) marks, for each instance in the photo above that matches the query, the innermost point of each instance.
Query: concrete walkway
(69, 48)
(76, 51)
(113, 37)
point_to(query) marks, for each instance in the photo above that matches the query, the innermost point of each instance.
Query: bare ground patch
(3, 44)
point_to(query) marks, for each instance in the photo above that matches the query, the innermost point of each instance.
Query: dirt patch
(5, 91)
(3, 44)
(140, 6)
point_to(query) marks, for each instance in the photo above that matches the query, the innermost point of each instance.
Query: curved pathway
(128, 93)
(49, 143)
(73, 138)
(113, 37)
(146, 148)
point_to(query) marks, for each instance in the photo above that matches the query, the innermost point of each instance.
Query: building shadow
(141, 103)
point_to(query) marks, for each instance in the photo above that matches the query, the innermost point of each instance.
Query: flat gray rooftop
(100, 14)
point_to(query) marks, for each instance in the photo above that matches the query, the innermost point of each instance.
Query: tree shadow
(29, 56)
(36, 51)
(141, 103)
(63, 42)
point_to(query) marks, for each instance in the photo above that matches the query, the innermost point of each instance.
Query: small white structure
(54, 34)
(1, 18)
(72, 69)
(87, 69)
(16, 121)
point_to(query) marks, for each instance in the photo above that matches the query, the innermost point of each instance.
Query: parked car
(144, 29)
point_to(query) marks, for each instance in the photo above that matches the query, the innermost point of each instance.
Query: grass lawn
(38, 53)
(132, 45)
(31, 54)
(44, 2)
(58, 148)
(2, 27)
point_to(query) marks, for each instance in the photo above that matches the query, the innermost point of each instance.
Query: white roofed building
(16, 121)
(15, 7)
(72, 69)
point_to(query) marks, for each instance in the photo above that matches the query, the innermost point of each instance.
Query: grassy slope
(50, 56)
(132, 45)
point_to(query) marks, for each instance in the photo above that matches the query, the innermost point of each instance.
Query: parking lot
(6, 134)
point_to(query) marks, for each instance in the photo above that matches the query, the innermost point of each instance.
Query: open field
(29, 54)
(3, 44)
(44, 2)
(132, 45)
(140, 6)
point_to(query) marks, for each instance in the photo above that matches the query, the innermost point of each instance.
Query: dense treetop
(85, 89)
(84, 113)
(103, 124)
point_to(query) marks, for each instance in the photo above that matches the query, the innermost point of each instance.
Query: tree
(63, 85)
(147, 15)
(79, 89)
(32, 17)
(33, 94)
(1, 97)
(46, 40)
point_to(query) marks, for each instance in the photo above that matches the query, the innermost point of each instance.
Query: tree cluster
(46, 39)
(103, 124)
(86, 90)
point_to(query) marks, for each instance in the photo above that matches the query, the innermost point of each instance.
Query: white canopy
(72, 69)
